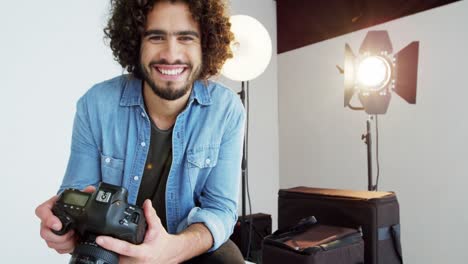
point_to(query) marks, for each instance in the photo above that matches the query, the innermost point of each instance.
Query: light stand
(367, 138)
(251, 50)
(243, 94)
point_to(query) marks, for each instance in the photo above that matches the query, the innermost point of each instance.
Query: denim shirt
(111, 136)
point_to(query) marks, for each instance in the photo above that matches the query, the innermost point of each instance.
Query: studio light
(252, 51)
(375, 73)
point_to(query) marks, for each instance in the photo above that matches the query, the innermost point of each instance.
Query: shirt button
(143, 144)
(143, 114)
(107, 160)
(136, 178)
(207, 161)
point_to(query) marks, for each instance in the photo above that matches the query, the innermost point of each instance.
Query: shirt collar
(200, 92)
(132, 94)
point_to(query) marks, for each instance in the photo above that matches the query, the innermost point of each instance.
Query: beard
(169, 92)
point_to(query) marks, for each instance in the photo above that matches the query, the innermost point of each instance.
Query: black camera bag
(311, 243)
(376, 212)
(260, 226)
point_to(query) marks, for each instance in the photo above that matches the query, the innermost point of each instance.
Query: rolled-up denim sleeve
(83, 167)
(218, 201)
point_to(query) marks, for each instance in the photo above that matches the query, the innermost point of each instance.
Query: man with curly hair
(165, 132)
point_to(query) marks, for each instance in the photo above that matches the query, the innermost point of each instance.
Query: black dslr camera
(104, 212)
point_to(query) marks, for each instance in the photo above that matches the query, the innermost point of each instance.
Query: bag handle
(392, 232)
(303, 224)
(395, 231)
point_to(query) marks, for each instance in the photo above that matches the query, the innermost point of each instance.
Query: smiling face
(170, 52)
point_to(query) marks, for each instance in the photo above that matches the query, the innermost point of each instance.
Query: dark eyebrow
(154, 32)
(177, 33)
(187, 33)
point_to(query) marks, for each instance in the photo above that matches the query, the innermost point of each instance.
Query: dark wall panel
(304, 22)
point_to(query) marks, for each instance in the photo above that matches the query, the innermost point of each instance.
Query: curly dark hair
(127, 23)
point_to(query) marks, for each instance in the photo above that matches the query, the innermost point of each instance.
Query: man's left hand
(158, 246)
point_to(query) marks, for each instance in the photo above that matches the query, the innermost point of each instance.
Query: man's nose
(171, 51)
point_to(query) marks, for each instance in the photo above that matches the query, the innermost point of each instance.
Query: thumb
(89, 189)
(153, 221)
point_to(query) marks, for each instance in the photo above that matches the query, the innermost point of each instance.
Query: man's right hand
(62, 244)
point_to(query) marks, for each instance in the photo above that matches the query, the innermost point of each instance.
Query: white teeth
(171, 72)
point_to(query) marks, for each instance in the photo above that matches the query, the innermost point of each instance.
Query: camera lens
(90, 253)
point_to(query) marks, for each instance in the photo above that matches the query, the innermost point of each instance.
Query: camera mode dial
(67, 222)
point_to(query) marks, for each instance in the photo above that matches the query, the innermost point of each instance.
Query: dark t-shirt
(158, 164)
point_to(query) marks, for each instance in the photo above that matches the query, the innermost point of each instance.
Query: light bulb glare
(373, 73)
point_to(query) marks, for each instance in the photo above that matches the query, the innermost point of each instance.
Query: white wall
(423, 147)
(52, 52)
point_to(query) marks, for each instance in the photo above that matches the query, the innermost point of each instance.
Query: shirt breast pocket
(201, 161)
(112, 170)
